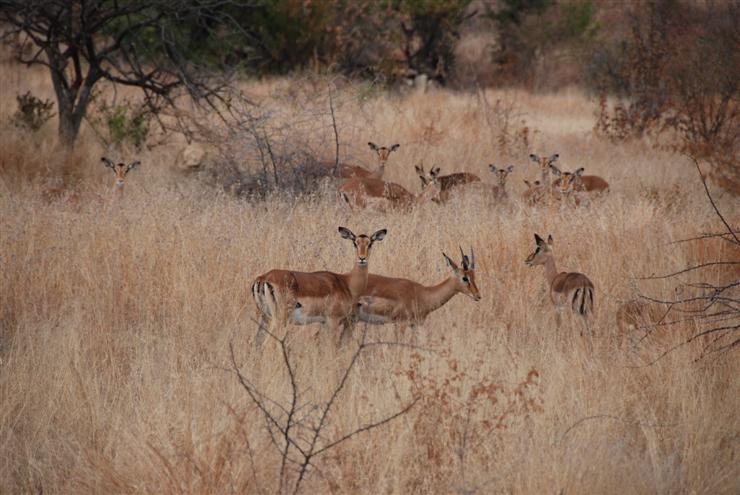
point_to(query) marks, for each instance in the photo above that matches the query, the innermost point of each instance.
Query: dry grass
(115, 324)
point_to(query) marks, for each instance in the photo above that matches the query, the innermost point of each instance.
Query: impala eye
(466, 280)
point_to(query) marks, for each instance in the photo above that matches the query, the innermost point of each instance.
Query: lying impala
(398, 300)
(502, 175)
(566, 288)
(348, 171)
(359, 193)
(120, 170)
(582, 183)
(52, 194)
(301, 298)
(447, 183)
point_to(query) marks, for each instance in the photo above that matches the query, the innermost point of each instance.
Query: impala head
(533, 184)
(542, 252)
(120, 169)
(426, 177)
(502, 174)
(544, 163)
(569, 181)
(362, 243)
(383, 152)
(466, 276)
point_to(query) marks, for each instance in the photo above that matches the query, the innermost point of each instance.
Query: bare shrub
(679, 77)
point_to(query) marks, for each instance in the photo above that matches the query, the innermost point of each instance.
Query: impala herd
(341, 300)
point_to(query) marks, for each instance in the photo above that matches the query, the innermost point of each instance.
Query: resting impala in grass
(566, 288)
(502, 175)
(565, 185)
(360, 193)
(52, 194)
(349, 171)
(120, 170)
(398, 300)
(300, 298)
(447, 183)
(544, 163)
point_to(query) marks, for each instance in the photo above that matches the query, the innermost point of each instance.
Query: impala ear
(554, 158)
(133, 165)
(450, 263)
(509, 168)
(379, 235)
(579, 172)
(549, 240)
(492, 167)
(538, 240)
(534, 158)
(395, 147)
(434, 172)
(373, 146)
(347, 234)
(419, 169)
(555, 170)
(107, 162)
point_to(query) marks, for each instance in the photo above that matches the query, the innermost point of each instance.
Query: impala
(535, 192)
(565, 185)
(301, 298)
(120, 170)
(566, 288)
(358, 193)
(544, 164)
(349, 171)
(587, 183)
(502, 175)
(446, 182)
(398, 300)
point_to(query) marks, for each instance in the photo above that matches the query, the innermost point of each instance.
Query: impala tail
(583, 300)
(263, 294)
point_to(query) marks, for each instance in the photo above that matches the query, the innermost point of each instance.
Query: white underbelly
(366, 315)
(299, 317)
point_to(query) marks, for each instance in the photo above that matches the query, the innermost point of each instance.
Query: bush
(32, 112)
(678, 75)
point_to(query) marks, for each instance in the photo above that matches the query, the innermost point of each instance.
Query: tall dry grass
(116, 320)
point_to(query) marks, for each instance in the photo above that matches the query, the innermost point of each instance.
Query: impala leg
(348, 327)
(262, 325)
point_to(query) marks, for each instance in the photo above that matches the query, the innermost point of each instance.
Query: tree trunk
(69, 126)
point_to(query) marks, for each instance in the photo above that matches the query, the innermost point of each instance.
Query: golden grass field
(116, 321)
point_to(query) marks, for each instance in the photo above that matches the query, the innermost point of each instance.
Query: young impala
(502, 175)
(120, 170)
(580, 183)
(301, 298)
(398, 300)
(349, 171)
(565, 185)
(566, 288)
(447, 183)
(360, 193)
(544, 163)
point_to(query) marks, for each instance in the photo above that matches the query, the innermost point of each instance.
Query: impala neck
(357, 279)
(551, 270)
(434, 297)
(545, 179)
(378, 174)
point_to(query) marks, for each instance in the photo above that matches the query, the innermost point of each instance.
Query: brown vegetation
(116, 368)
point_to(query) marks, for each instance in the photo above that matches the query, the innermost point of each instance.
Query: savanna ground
(116, 319)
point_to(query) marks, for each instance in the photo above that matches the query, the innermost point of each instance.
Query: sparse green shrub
(125, 124)
(32, 112)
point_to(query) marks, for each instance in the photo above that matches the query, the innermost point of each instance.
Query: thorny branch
(293, 447)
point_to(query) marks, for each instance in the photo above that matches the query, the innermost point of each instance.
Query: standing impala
(571, 288)
(120, 170)
(447, 183)
(301, 298)
(398, 300)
